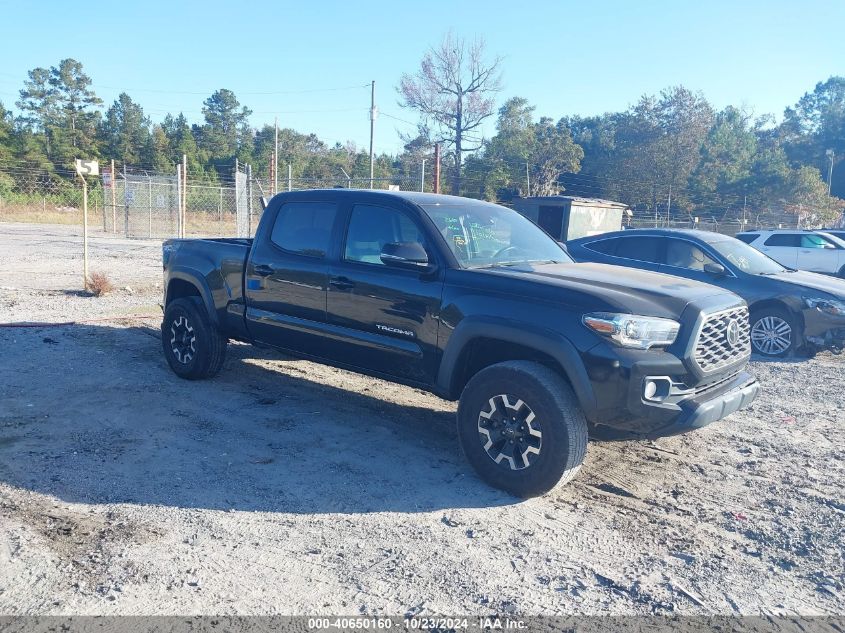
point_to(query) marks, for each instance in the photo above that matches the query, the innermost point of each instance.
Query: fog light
(656, 389)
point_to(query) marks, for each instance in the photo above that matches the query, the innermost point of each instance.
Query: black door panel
(390, 315)
(287, 277)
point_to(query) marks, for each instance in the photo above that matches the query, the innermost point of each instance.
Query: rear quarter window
(606, 247)
(747, 237)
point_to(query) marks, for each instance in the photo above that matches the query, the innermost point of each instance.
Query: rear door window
(792, 240)
(304, 228)
(642, 248)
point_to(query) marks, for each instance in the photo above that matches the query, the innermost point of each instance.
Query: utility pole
(744, 202)
(422, 176)
(289, 178)
(372, 126)
(527, 180)
(437, 168)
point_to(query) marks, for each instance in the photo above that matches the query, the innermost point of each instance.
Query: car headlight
(833, 307)
(631, 330)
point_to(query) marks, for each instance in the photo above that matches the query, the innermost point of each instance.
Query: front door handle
(264, 270)
(341, 283)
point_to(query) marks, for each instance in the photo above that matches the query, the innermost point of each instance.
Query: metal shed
(570, 217)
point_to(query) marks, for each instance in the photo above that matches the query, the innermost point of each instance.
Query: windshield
(746, 258)
(484, 234)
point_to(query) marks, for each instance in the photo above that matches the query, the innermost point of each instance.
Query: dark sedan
(789, 308)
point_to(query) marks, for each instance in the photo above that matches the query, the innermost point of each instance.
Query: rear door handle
(341, 283)
(264, 270)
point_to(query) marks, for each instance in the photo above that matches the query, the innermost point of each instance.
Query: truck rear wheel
(193, 347)
(521, 428)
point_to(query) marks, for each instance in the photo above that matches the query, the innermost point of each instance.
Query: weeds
(99, 284)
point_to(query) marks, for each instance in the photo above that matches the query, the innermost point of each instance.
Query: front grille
(713, 348)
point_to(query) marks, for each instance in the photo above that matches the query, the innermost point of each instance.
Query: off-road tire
(207, 349)
(777, 315)
(556, 413)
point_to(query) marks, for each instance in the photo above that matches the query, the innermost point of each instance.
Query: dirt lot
(284, 487)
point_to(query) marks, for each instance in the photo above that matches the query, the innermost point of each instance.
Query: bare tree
(453, 90)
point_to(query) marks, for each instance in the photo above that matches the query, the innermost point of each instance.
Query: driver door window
(815, 241)
(818, 254)
(683, 254)
(371, 227)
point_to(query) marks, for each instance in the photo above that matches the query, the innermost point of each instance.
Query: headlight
(630, 330)
(833, 307)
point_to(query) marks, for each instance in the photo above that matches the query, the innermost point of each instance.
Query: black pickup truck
(475, 303)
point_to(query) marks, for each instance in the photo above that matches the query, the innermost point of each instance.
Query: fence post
(184, 193)
(249, 200)
(125, 202)
(150, 203)
(178, 200)
(113, 199)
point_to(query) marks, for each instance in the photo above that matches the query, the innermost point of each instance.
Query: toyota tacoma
(475, 303)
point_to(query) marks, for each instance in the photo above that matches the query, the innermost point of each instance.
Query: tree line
(671, 154)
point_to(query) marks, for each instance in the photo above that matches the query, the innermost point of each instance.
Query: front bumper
(626, 414)
(823, 330)
(700, 411)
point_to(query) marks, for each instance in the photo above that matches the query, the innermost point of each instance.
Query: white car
(815, 251)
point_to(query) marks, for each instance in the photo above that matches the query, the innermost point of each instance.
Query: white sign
(107, 178)
(87, 167)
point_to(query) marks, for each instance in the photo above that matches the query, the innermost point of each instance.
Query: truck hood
(813, 282)
(623, 289)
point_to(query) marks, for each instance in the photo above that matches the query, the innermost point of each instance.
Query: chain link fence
(144, 204)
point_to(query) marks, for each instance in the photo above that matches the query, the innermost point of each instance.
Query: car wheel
(193, 347)
(774, 332)
(521, 428)
(841, 272)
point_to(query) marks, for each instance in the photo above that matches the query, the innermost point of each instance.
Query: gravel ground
(285, 487)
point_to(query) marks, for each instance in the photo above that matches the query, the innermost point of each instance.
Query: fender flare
(544, 341)
(198, 280)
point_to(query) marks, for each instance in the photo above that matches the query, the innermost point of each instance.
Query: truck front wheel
(521, 428)
(193, 347)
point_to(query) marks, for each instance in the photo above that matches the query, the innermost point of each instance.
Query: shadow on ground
(92, 414)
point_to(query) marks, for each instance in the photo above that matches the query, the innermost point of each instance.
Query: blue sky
(564, 57)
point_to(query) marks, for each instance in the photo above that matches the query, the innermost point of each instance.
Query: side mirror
(714, 269)
(407, 255)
